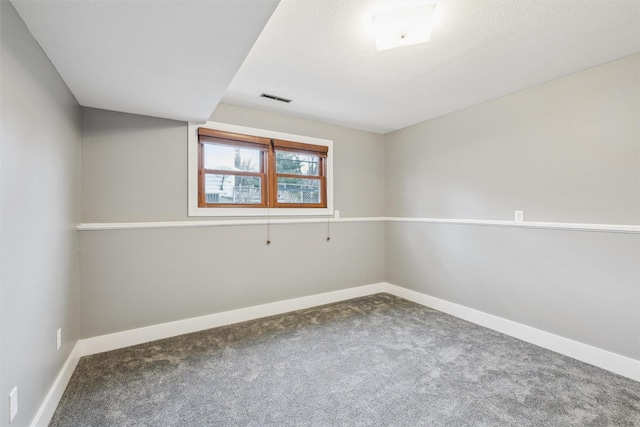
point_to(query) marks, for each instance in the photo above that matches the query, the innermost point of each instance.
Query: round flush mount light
(401, 23)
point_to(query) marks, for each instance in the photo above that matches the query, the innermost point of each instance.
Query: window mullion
(231, 172)
(272, 178)
(293, 175)
(201, 178)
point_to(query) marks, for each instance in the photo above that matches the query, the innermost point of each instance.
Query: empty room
(320, 213)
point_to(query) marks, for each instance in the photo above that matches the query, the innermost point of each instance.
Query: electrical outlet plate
(58, 339)
(13, 403)
(519, 216)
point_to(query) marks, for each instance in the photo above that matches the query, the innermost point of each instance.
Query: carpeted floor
(372, 361)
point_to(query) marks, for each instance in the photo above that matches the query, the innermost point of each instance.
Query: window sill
(259, 212)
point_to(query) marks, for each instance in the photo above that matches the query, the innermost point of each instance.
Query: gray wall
(134, 168)
(40, 207)
(358, 170)
(564, 151)
(135, 278)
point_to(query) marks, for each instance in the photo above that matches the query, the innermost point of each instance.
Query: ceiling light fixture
(402, 23)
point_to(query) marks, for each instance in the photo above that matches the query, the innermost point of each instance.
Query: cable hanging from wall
(306, 177)
(268, 227)
(268, 217)
(269, 202)
(328, 227)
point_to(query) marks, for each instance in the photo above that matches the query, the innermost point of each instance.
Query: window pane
(231, 158)
(232, 189)
(298, 164)
(298, 190)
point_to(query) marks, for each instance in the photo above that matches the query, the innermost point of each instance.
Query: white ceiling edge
(319, 55)
(168, 59)
(249, 102)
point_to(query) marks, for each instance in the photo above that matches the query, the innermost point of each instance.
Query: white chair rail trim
(605, 228)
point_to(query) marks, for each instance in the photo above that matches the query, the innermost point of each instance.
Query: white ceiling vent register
(275, 98)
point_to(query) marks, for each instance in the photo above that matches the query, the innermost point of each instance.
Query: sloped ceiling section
(170, 59)
(319, 54)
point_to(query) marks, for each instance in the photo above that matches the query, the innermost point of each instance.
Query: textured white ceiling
(176, 58)
(319, 54)
(171, 59)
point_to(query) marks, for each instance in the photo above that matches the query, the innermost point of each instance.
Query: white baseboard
(613, 362)
(86, 347)
(50, 403)
(131, 337)
(604, 359)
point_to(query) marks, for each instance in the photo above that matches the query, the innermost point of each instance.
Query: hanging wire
(268, 224)
(328, 228)
(268, 200)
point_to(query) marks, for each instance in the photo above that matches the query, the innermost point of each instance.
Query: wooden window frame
(300, 148)
(229, 139)
(268, 171)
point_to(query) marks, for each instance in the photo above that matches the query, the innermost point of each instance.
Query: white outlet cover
(13, 403)
(58, 339)
(519, 216)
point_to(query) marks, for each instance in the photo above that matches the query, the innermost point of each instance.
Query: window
(232, 169)
(236, 170)
(299, 174)
(249, 173)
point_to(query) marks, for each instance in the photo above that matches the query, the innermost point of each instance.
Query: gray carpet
(372, 361)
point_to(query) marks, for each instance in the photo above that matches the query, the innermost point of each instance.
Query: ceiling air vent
(275, 98)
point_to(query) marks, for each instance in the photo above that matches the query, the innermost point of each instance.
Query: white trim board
(131, 337)
(218, 223)
(567, 226)
(604, 359)
(50, 403)
(595, 356)
(613, 362)
(89, 346)
(571, 226)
